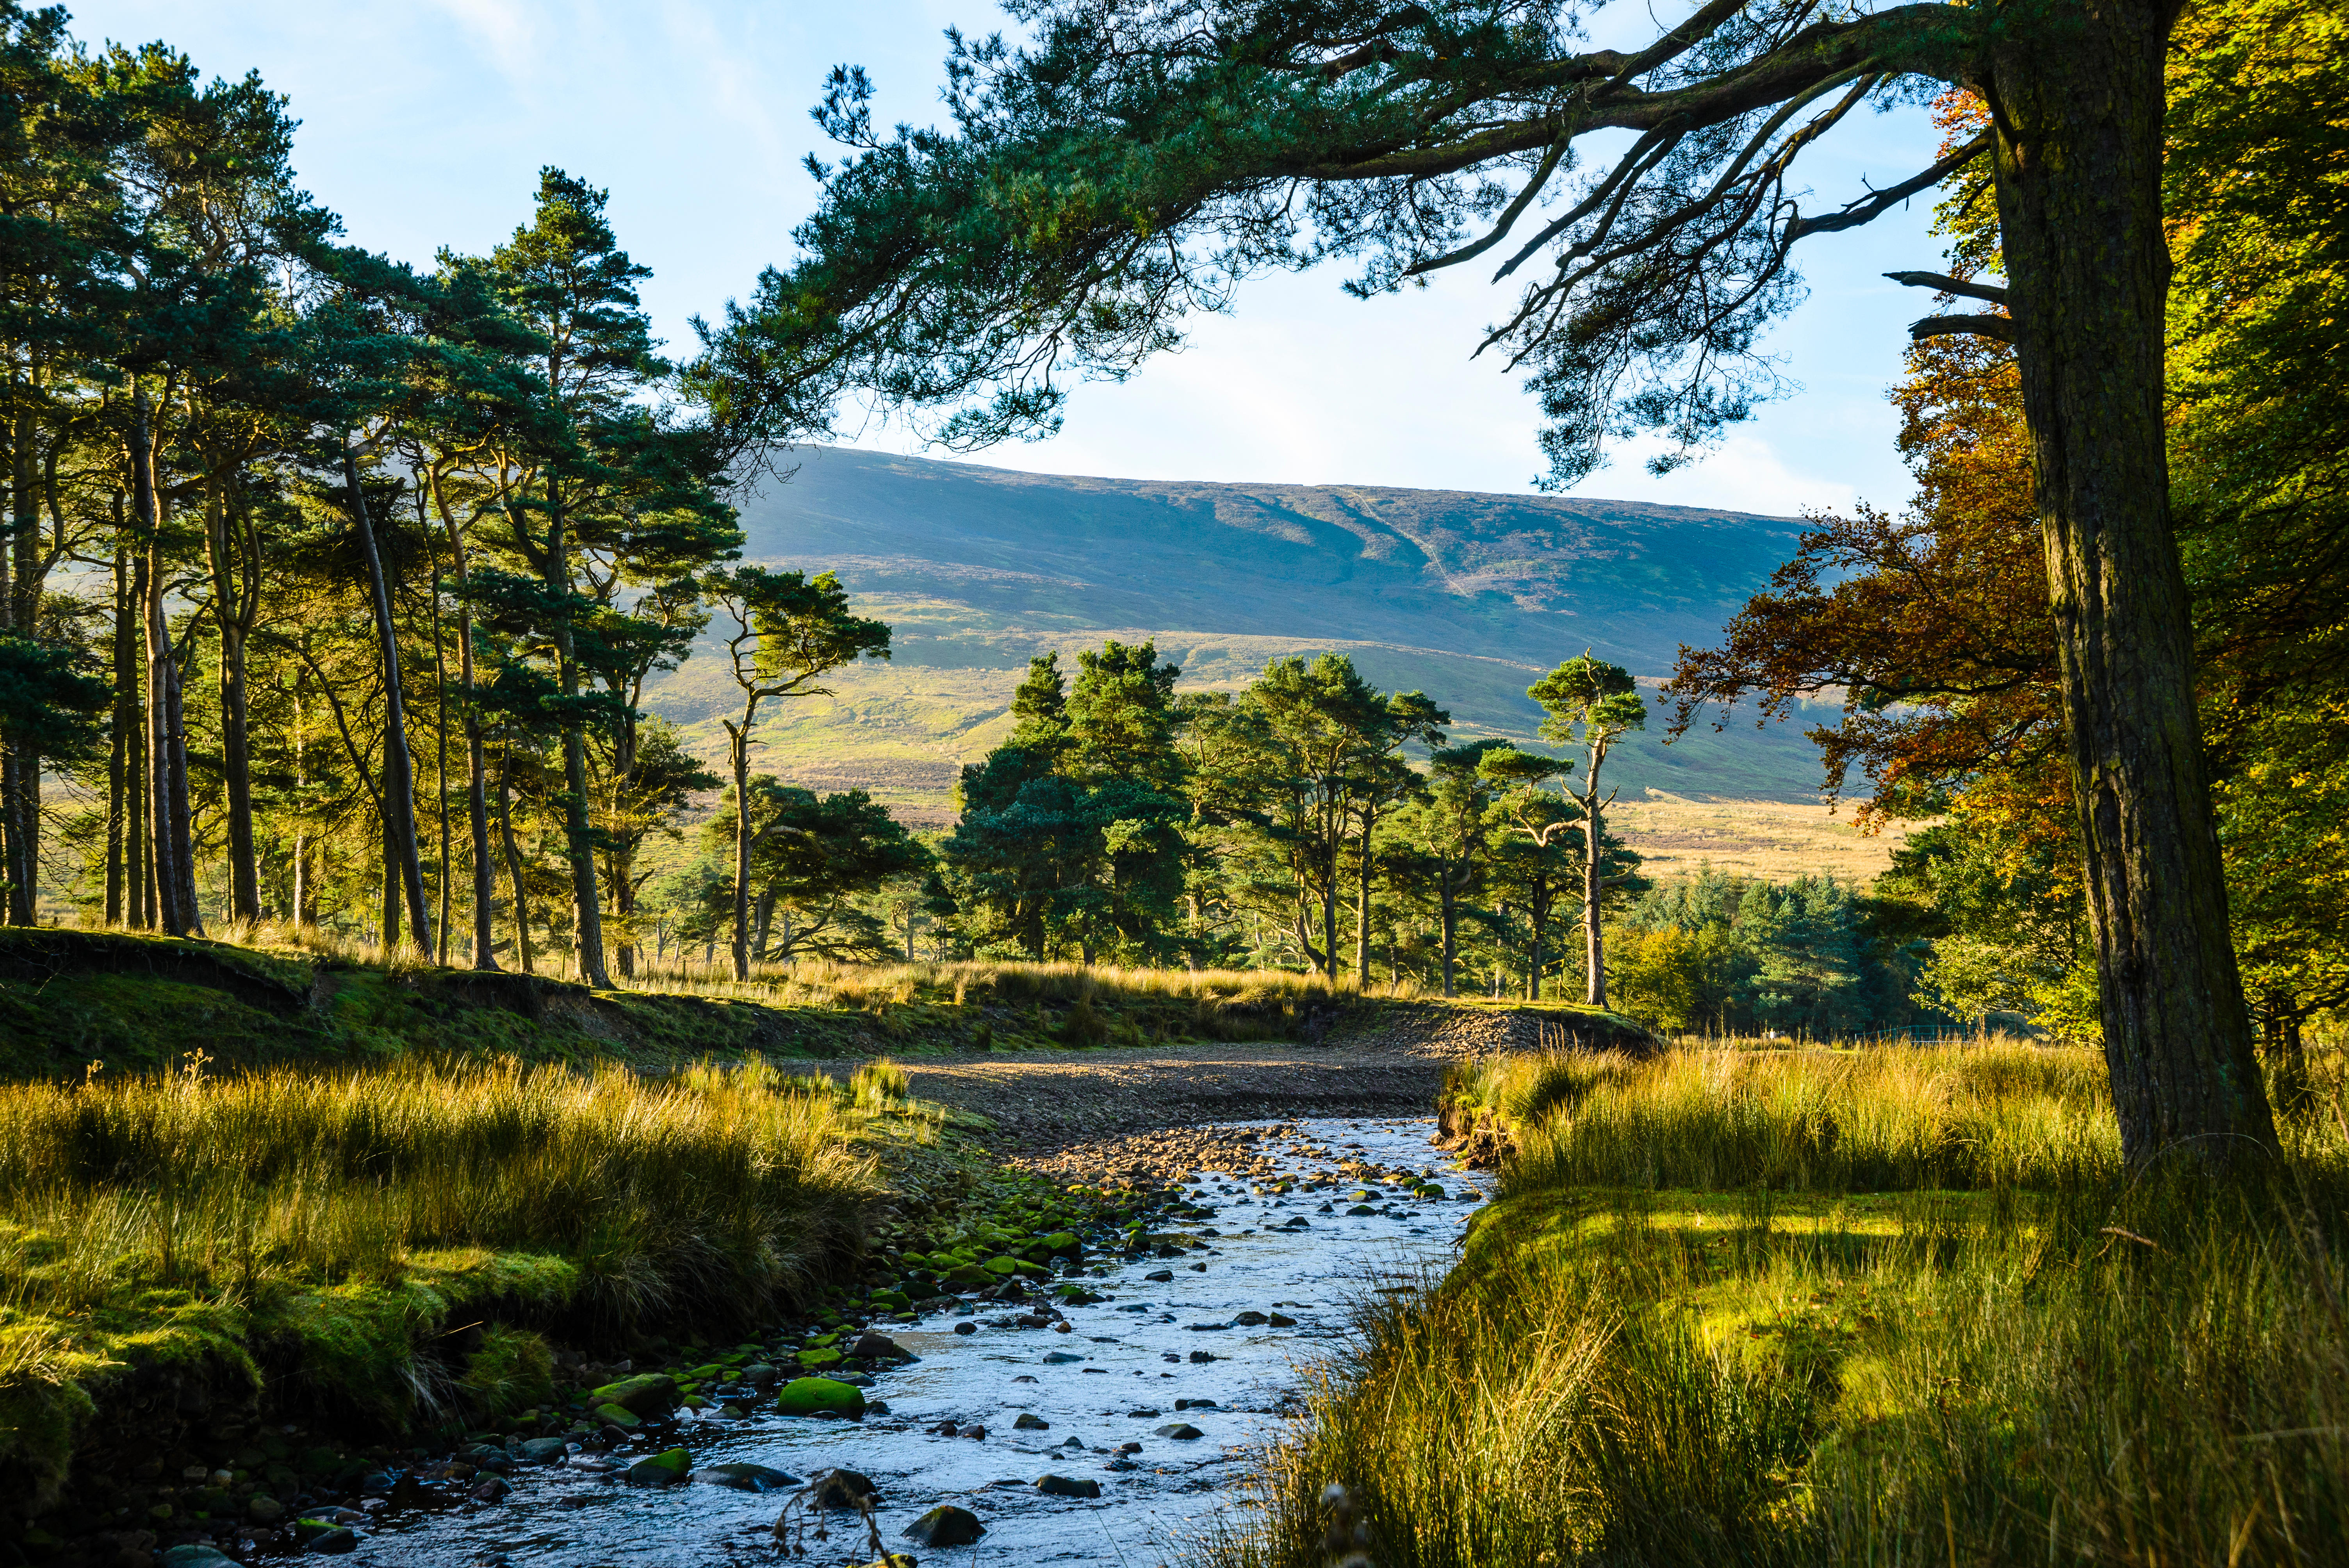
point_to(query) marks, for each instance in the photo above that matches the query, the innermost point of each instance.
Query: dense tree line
(330, 586)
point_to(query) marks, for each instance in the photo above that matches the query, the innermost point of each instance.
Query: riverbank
(1814, 1308)
(135, 1002)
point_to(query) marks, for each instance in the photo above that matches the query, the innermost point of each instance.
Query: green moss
(511, 1369)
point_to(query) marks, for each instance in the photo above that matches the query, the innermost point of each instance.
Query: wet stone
(945, 1526)
(1177, 1432)
(743, 1477)
(1067, 1486)
(1030, 1423)
(845, 1489)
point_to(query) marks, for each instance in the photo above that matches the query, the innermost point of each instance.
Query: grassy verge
(142, 1002)
(1817, 1307)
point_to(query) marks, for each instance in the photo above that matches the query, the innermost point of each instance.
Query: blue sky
(424, 124)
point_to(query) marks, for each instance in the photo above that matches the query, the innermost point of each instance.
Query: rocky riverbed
(1097, 1424)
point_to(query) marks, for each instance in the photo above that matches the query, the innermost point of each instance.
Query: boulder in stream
(814, 1396)
(664, 1469)
(1067, 1486)
(943, 1526)
(647, 1394)
(845, 1489)
(744, 1477)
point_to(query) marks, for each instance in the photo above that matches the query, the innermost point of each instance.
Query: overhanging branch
(1943, 283)
(2000, 327)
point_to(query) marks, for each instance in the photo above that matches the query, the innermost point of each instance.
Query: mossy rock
(818, 1359)
(647, 1394)
(1063, 1244)
(813, 1396)
(971, 1276)
(618, 1416)
(1005, 1266)
(664, 1469)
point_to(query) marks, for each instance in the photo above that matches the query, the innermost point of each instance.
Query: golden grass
(2065, 1364)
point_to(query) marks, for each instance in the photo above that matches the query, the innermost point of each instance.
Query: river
(1136, 1345)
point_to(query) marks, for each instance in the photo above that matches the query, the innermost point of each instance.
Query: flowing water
(1136, 1345)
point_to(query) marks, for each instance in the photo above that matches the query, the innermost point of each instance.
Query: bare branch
(1943, 283)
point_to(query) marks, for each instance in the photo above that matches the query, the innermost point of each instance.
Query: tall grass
(714, 1192)
(1817, 1120)
(1806, 1308)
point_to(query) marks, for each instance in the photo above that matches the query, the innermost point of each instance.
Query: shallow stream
(1136, 1345)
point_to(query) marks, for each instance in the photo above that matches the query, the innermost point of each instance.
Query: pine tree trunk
(1362, 900)
(130, 726)
(16, 824)
(398, 770)
(387, 885)
(181, 889)
(236, 755)
(738, 757)
(2078, 172)
(578, 831)
(1450, 904)
(622, 873)
(477, 785)
(126, 685)
(1594, 955)
(514, 871)
(163, 876)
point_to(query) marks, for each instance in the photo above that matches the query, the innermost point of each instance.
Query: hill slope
(1466, 596)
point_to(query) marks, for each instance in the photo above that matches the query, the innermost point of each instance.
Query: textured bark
(398, 770)
(513, 872)
(578, 832)
(1594, 885)
(126, 691)
(181, 889)
(162, 873)
(738, 757)
(477, 788)
(2078, 172)
(130, 709)
(234, 593)
(13, 823)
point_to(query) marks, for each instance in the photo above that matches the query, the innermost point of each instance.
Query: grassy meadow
(1812, 1307)
(388, 1245)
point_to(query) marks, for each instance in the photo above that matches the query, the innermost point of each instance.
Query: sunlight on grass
(1817, 1307)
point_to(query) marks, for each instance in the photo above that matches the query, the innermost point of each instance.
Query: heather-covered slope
(1466, 596)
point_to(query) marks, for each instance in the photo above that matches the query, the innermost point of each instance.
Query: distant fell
(1465, 595)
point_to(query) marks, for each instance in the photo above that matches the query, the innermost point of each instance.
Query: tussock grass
(1699, 1329)
(713, 1190)
(344, 1217)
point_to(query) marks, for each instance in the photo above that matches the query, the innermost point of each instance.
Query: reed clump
(1696, 1329)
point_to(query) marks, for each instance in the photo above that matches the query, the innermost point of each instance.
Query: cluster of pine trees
(1284, 826)
(329, 587)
